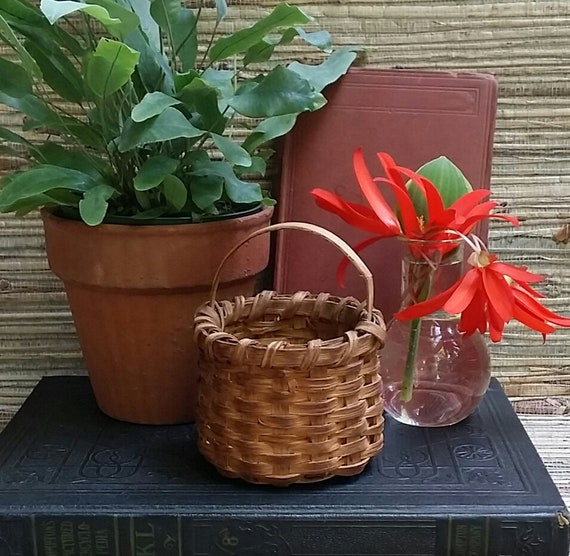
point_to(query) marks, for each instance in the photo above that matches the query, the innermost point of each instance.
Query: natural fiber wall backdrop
(525, 43)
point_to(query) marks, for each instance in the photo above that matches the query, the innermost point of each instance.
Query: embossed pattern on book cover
(69, 474)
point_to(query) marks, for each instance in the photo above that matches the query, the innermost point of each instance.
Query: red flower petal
(470, 214)
(499, 294)
(474, 317)
(391, 169)
(532, 306)
(440, 224)
(356, 215)
(530, 290)
(343, 265)
(465, 204)
(496, 324)
(424, 308)
(435, 206)
(520, 274)
(379, 205)
(473, 220)
(407, 210)
(530, 320)
(464, 293)
(481, 209)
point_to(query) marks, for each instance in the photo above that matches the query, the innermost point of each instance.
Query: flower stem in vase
(435, 364)
(418, 289)
(408, 378)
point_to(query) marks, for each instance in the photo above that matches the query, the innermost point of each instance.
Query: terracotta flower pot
(133, 291)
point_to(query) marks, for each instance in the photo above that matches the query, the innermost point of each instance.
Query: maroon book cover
(413, 115)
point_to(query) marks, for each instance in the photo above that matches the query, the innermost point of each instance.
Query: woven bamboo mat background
(525, 43)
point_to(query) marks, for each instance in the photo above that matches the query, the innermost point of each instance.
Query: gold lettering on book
(49, 538)
(461, 541)
(468, 540)
(145, 542)
(102, 542)
(84, 539)
(67, 539)
(475, 539)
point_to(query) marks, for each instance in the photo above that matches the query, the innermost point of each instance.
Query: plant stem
(419, 284)
(408, 379)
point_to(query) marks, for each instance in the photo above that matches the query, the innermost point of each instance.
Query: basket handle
(347, 251)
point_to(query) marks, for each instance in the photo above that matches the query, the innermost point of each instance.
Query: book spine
(161, 535)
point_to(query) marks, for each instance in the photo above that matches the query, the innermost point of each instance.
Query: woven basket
(290, 388)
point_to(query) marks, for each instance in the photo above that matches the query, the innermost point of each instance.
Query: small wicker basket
(290, 387)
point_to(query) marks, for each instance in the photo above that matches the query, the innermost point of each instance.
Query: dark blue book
(75, 482)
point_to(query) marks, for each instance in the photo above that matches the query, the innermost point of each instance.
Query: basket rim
(366, 327)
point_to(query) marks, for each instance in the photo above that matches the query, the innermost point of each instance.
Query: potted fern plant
(151, 129)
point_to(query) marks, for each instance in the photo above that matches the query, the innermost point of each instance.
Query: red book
(415, 116)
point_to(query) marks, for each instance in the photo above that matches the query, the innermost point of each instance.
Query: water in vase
(451, 373)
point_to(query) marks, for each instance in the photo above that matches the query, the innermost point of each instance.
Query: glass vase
(433, 375)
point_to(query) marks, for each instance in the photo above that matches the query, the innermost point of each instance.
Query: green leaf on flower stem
(110, 67)
(281, 91)
(42, 116)
(21, 10)
(27, 20)
(153, 68)
(58, 71)
(259, 52)
(15, 81)
(147, 26)
(39, 180)
(152, 105)
(143, 199)
(80, 160)
(33, 107)
(447, 178)
(222, 81)
(219, 79)
(93, 206)
(237, 190)
(269, 129)
(154, 171)
(282, 17)
(179, 24)
(175, 191)
(232, 152)
(321, 75)
(201, 99)
(117, 20)
(206, 190)
(320, 39)
(170, 124)
(183, 79)
(8, 36)
(263, 50)
(32, 203)
(258, 167)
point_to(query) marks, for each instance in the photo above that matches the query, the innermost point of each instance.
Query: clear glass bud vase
(433, 375)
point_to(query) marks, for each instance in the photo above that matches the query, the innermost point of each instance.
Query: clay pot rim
(51, 213)
(156, 257)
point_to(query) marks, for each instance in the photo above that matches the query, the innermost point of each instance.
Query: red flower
(487, 297)
(380, 219)
(490, 295)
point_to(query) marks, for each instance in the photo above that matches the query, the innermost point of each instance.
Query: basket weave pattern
(290, 387)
